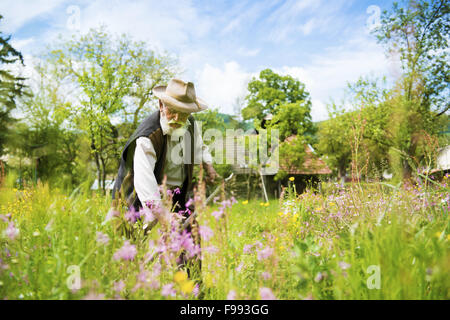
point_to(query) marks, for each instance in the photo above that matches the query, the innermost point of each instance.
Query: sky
(222, 45)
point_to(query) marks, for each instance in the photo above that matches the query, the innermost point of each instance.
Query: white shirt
(145, 182)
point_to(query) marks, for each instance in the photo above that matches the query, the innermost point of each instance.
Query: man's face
(176, 119)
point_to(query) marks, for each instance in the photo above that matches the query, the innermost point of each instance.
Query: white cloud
(221, 86)
(326, 77)
(16, 12)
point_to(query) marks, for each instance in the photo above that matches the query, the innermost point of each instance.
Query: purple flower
(189, 203)
(247, 248)
(147, 214)
(127, 252)
(177, 191)
(119, 286)
(102, 238)
(111, 214)
(266, 275)
(218, 214)
(132, 215)
(205, 232)
(231, 295)
(239, 267)
(266, 294)
(11, 231)
(211, 249)
(344, 265)
(264, 253)
(168, 290)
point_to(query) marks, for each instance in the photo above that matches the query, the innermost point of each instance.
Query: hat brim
(172, 103)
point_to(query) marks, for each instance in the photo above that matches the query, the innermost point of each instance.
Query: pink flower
(111, 213)
(205, 232)
(11, 231)
(265, 253)
(102, 238)
(239, 267)
(266, 275)
(344, 265)
(168, 290)
(119, 286)
(247, 248)
(231, 295)
(127, 252)
(266, 294)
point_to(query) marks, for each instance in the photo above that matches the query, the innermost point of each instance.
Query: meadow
(376, 241)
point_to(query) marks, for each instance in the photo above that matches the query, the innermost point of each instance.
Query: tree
(114, 78)
(419, 32)
(11, 86)
(281, 103)
(43, 133)
(271, 91)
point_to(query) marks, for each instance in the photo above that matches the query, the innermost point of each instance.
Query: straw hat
(180, 96)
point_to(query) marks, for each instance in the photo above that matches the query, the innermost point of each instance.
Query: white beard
(167, 128)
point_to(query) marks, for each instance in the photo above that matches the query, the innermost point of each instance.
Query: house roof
(312, 164)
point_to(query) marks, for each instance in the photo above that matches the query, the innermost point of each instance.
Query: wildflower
(266, 275)
(180, 277)
(266, 294)
(187, 287)
(111, 214)
(344, 265)
(218, 214)
(94, 296)
(264, 253)
(119, 286)
(127, 252)
(247, 248)
(196, 290)
(291, 179)
(205, 232)
(211, 249)
(231, 295)
(261, 204)
(168, 290)
(245, 202)
(266, 204)
(239, 267)
(438, 234)
(177, 191)
(318, 277)
(102, 238)
(11, 231)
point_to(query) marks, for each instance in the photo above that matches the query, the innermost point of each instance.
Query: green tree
(11, 86)
(114, 78)
(269, 93)
(418, 31)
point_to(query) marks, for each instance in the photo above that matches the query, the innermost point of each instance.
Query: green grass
(317, 246)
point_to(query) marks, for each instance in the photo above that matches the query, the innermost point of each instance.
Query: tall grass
(376, 242)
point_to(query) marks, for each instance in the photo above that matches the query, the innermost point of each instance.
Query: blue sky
(220, 45)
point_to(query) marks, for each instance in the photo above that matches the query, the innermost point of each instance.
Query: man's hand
(211, 173)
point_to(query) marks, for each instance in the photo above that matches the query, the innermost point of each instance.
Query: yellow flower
(332, 204)
(438, 234)
(261, 204)
(266, 204)
(291, 179)
(448, 237)
(245, 202)
(319, 209)
(187, 287)
(180, 277)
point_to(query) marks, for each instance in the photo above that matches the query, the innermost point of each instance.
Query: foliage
(309, 246)
(11, 86)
